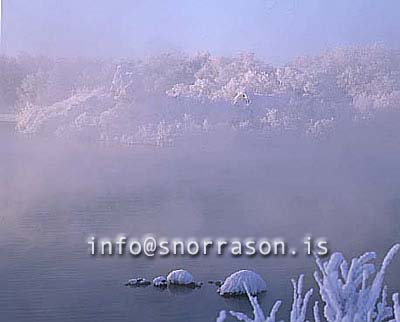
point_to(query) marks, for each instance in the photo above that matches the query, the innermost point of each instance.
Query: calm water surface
(53, 196)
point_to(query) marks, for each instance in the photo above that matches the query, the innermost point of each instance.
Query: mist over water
(184, 137)
(56, 195)
(181, 146)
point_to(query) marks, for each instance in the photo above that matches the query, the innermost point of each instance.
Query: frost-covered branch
(300, 303)
(297, 314)
(221, 317)
(396, 308)
(351, 293)
(257, 311)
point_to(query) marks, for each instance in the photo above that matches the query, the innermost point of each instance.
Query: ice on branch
(160, 281)
(300, 302)
(257, 311)
(355, 292)
(396, 308)
(221, 317)
(350, 293)
(297, 314)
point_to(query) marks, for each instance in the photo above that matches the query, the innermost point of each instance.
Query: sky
(277, 30)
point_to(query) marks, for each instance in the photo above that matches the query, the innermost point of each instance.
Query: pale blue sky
(273, 29)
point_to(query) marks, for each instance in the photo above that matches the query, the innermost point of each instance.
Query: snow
(350, 294)
(297, 314)
(167, 97)
(300, 302)
(160, 281)
(257, 311)
(355, 292)
(221, 317)
(236, 284)
(180, 277)
(396, 307)
(138, 282)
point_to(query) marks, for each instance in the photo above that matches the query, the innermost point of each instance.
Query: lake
(54, 195)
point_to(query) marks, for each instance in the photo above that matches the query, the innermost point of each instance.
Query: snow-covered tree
(311, 97)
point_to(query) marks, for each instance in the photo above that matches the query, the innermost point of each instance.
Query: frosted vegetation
(160, 99)
(350, 293)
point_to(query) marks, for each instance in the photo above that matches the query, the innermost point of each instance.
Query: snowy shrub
(66, 118)
(221, 317)
(11, 77)
(322, 129)
(396, 308)
(149, 100)
(257, 311)
(297, 314)
(352, 293)
(59, 79)
(300, 302)
(223, 79)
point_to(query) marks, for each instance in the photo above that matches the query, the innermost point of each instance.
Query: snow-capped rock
(235, 284)
(160, 281)
(180, 277)
(138, 282)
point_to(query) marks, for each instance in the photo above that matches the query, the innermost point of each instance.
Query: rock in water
(160, 281)
(180, 277)
(234, 284)
(138, 282)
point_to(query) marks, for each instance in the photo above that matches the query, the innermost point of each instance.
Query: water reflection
(52, 199)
